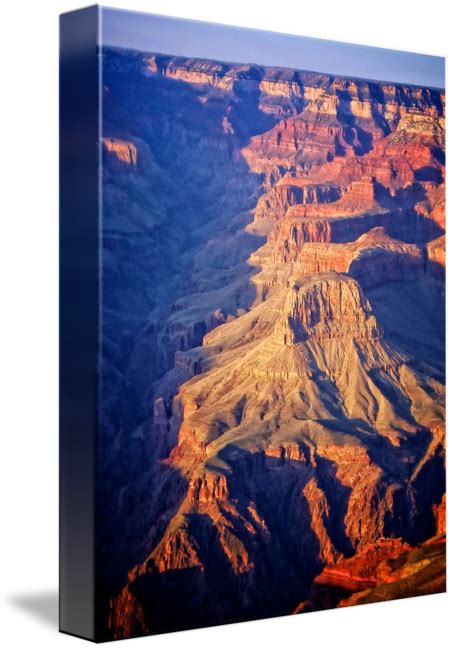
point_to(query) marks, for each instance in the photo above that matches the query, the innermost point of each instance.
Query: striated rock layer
(272, 413)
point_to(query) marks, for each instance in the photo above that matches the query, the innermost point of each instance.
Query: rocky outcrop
(208, 488)
(275, 203)
(125, 152)
(364, 570)
(327, 308)
(309, 139)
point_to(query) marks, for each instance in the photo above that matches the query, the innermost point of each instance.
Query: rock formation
(272, 414)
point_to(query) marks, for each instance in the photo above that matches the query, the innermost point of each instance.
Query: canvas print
(271, 423)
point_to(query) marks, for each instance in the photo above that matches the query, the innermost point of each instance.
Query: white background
(29, 322)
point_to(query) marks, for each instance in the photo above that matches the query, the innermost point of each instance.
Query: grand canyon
(272, 435)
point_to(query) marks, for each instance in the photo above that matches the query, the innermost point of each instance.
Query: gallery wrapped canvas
(252, 324)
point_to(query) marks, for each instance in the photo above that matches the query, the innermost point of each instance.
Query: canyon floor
(272, 432)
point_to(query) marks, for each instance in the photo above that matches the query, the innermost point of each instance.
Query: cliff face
(273, 342)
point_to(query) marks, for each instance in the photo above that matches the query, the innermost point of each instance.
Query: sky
(191, 38)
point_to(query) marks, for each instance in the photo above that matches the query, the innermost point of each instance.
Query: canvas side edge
(79, 300)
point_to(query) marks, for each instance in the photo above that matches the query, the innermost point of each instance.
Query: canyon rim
(271, 426)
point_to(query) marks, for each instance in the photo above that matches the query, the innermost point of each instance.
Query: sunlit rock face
(272, 407)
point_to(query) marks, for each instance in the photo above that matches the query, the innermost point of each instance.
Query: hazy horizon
(191, 38)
